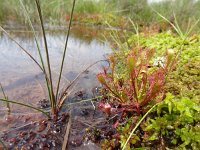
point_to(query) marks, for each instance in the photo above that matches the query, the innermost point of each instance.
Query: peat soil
(38, 132)
(35, 131)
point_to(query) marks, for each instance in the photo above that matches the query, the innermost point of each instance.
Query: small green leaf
(131, 62)
(170, 127)
(170, 107)
(154, 137)
(170, 56)
(174, 141)
(101, 79)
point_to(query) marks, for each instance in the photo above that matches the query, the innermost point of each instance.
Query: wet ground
(24, 82)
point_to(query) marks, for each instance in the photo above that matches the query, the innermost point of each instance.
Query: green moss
(176, 120)
(185, 80)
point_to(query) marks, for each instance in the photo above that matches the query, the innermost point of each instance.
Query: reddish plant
(143, 85)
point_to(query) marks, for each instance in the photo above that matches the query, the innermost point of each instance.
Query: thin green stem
(137, 125)
(3, 91)
(134, 84)
(65, 49)
(63, 95)
(82, 101)
(23, 49)
(136, 28)
(29, 106)
(5, 97)
(182, 35)
(175, 28)
(192, 27)
(52, 96)
(37, 44)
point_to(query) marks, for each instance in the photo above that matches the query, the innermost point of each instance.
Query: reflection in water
(22, 79)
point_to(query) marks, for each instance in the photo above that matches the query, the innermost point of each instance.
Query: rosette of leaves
(144, 84)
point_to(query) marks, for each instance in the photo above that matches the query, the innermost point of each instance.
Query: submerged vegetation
(150, 92)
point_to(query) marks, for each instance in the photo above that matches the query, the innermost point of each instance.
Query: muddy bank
(35, 131)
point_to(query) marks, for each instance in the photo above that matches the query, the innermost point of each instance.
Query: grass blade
(65, 49)
(5, 97)
(164, 18)
(64, 94)
(178, 27)
(32, 28)
(5, 32)
(26, 105)
(52, 96)
(136, 28)
(83, 101)
(192, 27)
(137, 125)
(37, 44)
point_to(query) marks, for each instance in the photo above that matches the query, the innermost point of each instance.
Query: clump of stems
(44, 64)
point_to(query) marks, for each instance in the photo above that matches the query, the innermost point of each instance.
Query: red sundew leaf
(149, 54)
(109, 85)
(143, 57)
(120, 82)
(112, 59)
(158, 75)
(144, 78)
(116, 124)
(105, 70)
(101, 78)
(156, 84)
(106, 75)
(124, 96)
(106, 108)
(131, 64)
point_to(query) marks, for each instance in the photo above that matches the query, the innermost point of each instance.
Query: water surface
(22, 79)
